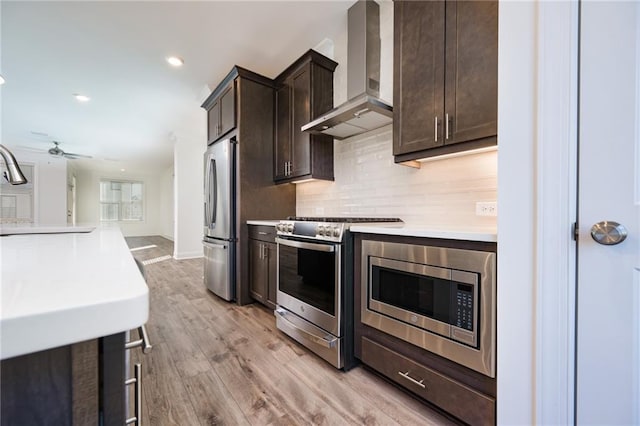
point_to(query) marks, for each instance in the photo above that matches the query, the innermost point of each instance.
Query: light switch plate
(486, 208)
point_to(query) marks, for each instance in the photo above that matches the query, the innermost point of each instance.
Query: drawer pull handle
(412, 380)
(137, 403)
(143, 342)
(262, 233)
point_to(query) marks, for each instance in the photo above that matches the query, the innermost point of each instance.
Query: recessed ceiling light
(1, 79)
(175, 61)
(81, 98)
(122, 170)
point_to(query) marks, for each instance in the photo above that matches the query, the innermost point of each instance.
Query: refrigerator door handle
(214, 182)
(212, 245)
(207, 197)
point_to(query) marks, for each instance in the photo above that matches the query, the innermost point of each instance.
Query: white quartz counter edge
(60, 289)
(417, 231)
(263, 222)
(18, 228)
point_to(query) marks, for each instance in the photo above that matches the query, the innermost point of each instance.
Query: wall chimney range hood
(364, 111)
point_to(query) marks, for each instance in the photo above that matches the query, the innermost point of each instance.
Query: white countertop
(470, 234)
(263, 222)
(30, 228)
(58, 289)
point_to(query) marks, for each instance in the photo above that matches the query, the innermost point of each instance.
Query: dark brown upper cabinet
(304, 91)
(221, 111)
(445, 90)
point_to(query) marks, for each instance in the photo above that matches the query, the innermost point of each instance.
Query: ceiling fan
(58, 152)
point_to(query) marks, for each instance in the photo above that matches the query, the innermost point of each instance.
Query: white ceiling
(114, 52)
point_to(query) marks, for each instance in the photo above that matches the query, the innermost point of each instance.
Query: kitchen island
(66, 302)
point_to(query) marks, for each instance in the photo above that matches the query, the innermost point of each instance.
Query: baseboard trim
(188, 255)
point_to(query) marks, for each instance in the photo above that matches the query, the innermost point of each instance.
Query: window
(121, 200)
(16, 201)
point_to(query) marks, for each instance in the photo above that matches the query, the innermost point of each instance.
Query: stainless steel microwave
(440, 299)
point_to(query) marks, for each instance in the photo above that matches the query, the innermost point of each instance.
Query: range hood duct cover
(364, 111)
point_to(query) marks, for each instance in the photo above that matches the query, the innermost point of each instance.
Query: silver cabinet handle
(357, 114)
(608, 233)
(143, 342)
(308, 246)
(137, 403)
(261, 252)
(412, 380)
(265, 251)
(262, 233)
(322, 341)
(435, 129)
(446, 127)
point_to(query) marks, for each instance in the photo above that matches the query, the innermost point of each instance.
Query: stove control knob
(336, 232)
(279, 227)
(290, 227)
(320, 230)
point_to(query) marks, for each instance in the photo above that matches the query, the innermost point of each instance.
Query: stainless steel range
(315, 284)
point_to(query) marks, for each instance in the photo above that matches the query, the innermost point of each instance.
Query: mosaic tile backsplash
(442, 193)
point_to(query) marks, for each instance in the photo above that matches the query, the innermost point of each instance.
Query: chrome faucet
(13, 174)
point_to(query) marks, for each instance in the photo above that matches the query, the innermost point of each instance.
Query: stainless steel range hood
(364, 111)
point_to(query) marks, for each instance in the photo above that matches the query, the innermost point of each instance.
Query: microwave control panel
(464, 307)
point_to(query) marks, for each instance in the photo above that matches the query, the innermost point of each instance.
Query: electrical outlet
(486, 208)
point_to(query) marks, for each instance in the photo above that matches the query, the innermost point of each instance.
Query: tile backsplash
(442, 193)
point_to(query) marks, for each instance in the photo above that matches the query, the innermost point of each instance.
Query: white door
(608, 292)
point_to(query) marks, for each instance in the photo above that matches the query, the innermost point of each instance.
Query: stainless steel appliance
(220, 243)
(440, 299)
(315, 284)
(364, 110)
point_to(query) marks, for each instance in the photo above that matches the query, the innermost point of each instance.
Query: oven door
(309, 282)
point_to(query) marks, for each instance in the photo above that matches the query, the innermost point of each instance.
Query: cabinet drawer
(262, 233)
(456, 398)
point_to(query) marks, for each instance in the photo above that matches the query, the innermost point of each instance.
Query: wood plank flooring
(216, 363)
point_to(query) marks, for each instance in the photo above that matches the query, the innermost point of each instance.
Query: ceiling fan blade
(74, 156)
(30, 148)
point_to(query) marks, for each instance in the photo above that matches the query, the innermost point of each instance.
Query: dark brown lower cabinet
(263, 265)
(452, 396)
(79, 384)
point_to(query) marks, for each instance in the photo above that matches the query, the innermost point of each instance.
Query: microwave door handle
(304, 245)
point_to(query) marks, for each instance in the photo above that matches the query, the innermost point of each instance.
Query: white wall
(88, 200)
(166, 203)
(517, 226)
(368, 183)
(189, 148)
(50, 186)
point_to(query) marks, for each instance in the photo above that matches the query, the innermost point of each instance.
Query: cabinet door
(257, 271)
(213, 118)
(301, 115)
(228, 109)
(418, 86)
(471, 80)
(282, 151)
(272, 276)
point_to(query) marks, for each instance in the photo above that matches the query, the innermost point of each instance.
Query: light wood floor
(216, 363)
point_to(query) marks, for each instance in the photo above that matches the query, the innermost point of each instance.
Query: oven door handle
(308, 246)
(322, 341)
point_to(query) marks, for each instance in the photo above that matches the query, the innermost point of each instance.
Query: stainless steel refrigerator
(220, 241)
